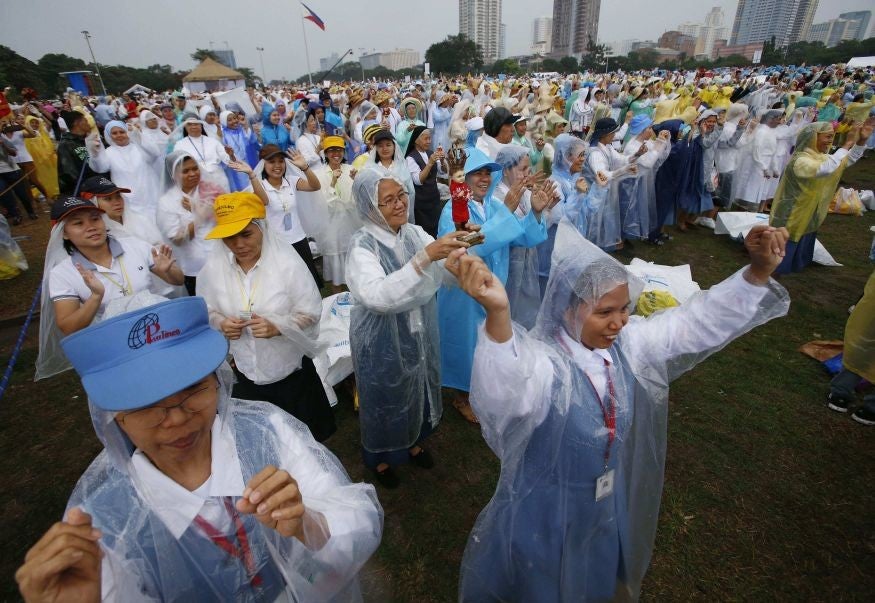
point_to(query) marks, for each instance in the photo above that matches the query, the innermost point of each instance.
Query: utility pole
(93, 60)
(260, 50)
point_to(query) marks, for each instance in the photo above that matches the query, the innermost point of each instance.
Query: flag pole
(306, 51)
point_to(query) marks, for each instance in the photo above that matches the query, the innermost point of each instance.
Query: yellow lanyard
(125, 289)
(248, 298)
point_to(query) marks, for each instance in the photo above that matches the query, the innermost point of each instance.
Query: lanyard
(125, 288)
(242, 552)
(249, 296)
(199, 152)
(609, 413)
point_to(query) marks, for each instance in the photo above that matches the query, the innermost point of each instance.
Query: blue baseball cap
(138, 358)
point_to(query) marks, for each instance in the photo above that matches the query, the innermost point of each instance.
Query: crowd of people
(475, 223)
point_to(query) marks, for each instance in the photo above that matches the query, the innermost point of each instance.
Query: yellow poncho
(859, 352)
(45, 160)
(859, 111)
(802, 199)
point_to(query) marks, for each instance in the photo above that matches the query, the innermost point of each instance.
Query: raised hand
(544, 196)
(298, 160)
(477, 280)
(162, 258)
(766, 247)
(241, 166)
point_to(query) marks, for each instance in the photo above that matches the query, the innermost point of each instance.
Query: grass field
(768, 495)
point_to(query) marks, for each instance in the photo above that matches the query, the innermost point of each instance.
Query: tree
(508, 66)
(594, 59)
(203, 53)
(456, 54)
(249, 75)
(568, 65)
(550, 65)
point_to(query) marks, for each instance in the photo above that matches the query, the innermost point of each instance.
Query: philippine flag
(311, 16)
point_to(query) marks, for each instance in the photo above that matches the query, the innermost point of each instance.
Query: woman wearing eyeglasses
(394, 269)
(196, 495)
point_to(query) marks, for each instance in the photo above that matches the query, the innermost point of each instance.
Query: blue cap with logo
(138, 358)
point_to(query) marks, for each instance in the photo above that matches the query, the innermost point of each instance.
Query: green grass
(768, 495)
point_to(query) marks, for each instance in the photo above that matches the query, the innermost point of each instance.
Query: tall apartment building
(859, 29)
(400, 58)
(575, 22)
(542, 35)
(788, 21)
(480, 21)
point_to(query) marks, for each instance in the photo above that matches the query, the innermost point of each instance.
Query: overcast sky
(142, 33)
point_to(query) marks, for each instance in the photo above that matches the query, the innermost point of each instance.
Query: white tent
(862, 62)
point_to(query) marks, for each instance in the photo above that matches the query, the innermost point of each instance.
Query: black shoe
(387, 478)
(16, 220)
(33, 216)
(837, 403)
(423, 460)
(864, 415)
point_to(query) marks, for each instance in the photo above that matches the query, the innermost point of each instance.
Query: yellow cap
(333, 142)
(234, 211)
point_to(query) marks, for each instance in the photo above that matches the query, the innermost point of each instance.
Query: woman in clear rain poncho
(154, 136)
(244, 148)
(458, 314)
(209, 153)
(261, 297)
(638, 195)
(85, 271)
(395, 269)
(129, 165)
(342, 219)
(808, 185)
(756, 168)
(733, 137)
(185, 211)
(522, 276)
(196, 495)
(577, 410)
(411, 116)
(386, 153)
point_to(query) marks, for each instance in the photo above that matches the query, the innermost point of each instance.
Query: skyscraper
(575, 22)
(860, 26)
(480, 21)
(542, 35)
(788, 21)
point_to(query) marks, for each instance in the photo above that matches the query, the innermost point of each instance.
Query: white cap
(474, 124)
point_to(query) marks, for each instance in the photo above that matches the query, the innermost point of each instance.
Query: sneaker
(706, 222)
(864, 415)
(837, 403)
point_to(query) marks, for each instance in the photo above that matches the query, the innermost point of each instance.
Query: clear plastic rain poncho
(638, 194)
(523, 289)
(400, 171)
(12, 260)
(206, 150)
(284, 293)
(547, 405)
(146, 561)
(174, 218)
(394, 329)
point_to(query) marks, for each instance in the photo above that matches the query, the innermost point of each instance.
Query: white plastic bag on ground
(738, 223)
(334, 364)
(12, 260)
(677, 280)
(868, 199)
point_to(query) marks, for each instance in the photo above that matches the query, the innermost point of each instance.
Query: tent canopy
(862, 62)
(211, 71)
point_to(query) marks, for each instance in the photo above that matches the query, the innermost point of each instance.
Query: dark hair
(69, 247)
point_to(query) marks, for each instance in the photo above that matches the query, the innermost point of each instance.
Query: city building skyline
(542, 35)
(787, 21)
(575, 23)
(480, 21)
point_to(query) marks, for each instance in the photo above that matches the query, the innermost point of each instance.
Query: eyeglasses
(398, 201)
(153, 416)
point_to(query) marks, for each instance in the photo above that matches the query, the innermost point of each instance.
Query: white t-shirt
(282, 210)
(17, 141)
(128, 274)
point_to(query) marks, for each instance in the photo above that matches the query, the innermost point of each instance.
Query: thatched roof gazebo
(212, 76)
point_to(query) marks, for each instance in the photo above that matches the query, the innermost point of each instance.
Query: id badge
(244, 315)
(604, 485)
(287, 221)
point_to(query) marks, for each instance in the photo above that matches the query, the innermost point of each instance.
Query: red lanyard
(223, 542)
(609, 414)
